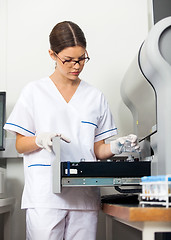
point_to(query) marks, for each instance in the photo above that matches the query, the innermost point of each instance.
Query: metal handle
(56, 166)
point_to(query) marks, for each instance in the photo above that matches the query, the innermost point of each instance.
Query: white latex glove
(44, 140)
(122, 144)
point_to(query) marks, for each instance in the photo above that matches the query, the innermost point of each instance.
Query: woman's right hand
(44, 140)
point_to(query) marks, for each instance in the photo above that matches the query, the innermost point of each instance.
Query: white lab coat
(85, 119)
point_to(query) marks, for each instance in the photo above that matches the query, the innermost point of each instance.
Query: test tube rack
(156, 191)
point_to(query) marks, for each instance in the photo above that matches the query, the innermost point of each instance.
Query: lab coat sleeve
(21, 118)
(106, 125)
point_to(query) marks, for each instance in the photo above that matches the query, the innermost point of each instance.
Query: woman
(62, 105)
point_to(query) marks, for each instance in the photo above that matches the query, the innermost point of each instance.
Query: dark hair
(66, 34)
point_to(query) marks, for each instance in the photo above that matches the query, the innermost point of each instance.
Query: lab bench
(149, 223)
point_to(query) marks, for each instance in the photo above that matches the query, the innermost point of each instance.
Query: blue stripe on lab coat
(106, 132)
(20, 127)
(90, 123)
(39, 165)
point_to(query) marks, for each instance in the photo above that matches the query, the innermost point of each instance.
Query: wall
(114, 30)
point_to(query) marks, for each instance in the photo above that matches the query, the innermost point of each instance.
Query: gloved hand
(123, 144)
(44, 140)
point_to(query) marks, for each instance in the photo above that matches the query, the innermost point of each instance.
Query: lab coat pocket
(39, 178)
(88, 130)
(87, 138)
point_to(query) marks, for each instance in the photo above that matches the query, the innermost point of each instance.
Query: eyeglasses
(71, 62)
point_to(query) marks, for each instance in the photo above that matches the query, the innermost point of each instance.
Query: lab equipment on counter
(118, 198)
(97, 173)
(156, 190)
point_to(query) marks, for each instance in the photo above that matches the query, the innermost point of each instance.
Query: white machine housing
(146, 90)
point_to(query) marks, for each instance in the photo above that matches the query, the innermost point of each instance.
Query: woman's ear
(52, 55)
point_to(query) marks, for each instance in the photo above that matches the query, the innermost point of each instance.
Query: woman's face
(70, 62)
